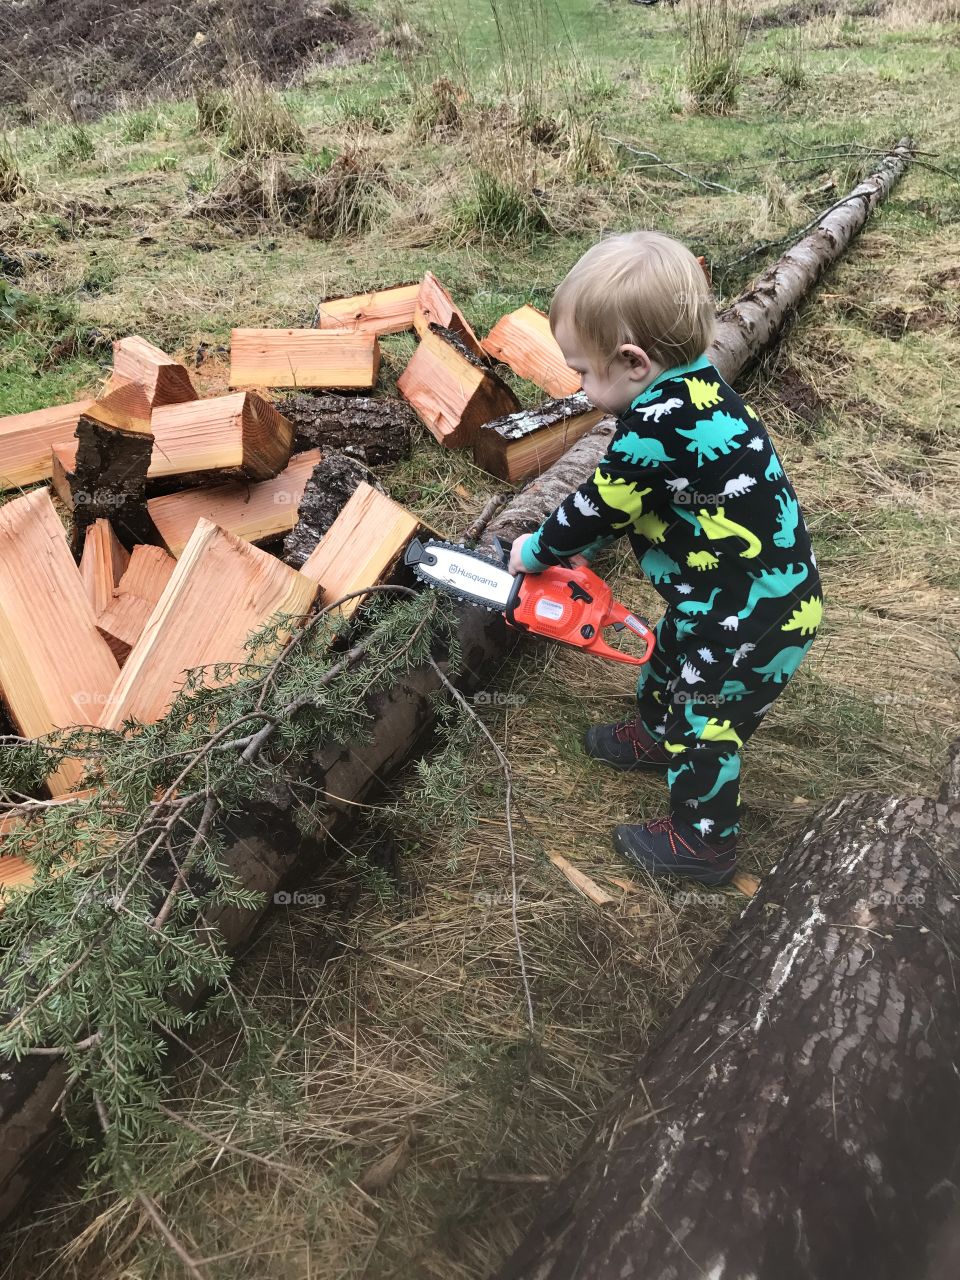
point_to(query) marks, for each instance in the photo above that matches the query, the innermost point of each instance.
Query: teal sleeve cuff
(528, 556)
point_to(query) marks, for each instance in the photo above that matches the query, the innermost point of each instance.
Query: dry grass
(714, 32)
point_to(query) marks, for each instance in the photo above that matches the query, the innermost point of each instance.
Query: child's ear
(639, 363)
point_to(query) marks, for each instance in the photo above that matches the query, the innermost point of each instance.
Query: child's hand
(516, 564)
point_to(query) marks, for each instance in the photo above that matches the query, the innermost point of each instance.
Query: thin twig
(149, 1206)
(490, 508)
(665, 164)
(508, 802)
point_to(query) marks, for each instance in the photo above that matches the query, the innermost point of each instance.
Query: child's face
(612, 389)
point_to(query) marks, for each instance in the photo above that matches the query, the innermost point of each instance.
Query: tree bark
(754, 321)
(797, 1117)
(374, 431)
(109, 482)
(331, 483)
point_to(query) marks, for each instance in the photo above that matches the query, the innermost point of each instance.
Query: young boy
(692, 478)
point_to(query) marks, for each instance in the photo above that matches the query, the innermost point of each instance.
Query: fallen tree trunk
(796, 1118)
(266, 844)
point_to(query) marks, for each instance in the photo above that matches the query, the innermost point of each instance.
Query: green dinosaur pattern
(703, 395)
(774, 583)
(699, 560)
(698, 608)
(783, 664)
(719, 526)
(714, 435)
(640, 451)
(787, 520)
(658, 566)
(806, 618)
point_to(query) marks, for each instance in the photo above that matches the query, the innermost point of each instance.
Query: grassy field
(408, 1124)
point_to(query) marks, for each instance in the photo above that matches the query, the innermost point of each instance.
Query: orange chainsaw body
(574, 606)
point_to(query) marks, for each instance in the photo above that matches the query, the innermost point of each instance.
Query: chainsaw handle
(618, 615)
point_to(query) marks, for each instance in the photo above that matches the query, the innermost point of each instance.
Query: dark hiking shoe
(626, 745)
(663, 847)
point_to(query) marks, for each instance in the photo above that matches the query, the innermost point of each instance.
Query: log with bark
(524, 444)
(330, 486)
(375, 431)
(109, 479)
(796, 1118)
(264, 839)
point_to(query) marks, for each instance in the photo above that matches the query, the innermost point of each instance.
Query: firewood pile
(194, 521)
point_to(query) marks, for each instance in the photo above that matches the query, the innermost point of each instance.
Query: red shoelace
(661, 826)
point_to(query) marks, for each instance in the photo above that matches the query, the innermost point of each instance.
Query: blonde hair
(643, 288)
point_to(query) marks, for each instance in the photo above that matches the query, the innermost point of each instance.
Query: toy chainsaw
(571, 605)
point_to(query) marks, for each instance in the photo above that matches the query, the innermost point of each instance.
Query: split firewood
(385, 311)
(63, 470)
(110, 469)
(254, 512)
(326, 358)
(375, 431)
(55, 668)
(330, 486)
(524, 444)
(523, 340)
(221, 591)
(435, 306)
(452, 391)
(138, 591)
(102, 564)
(26, 440)
(124, 405)
(233, 437)
(582, 882)
(360, 547)
(164, 381)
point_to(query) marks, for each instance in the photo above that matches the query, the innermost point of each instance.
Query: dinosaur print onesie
(693, 480)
